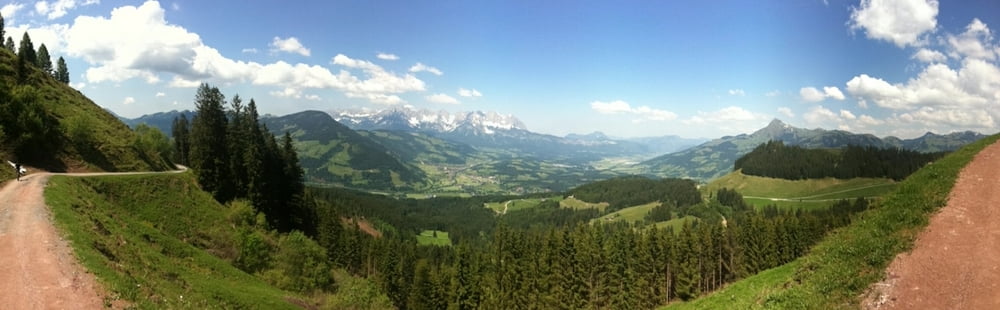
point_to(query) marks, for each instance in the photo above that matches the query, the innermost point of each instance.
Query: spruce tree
(182, 139)
(26, 51)
(3, 33)
(9, 44)
(44, 61)
(62, 73)
(209, 155)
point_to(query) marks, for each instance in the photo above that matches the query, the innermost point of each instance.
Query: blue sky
(626, 68)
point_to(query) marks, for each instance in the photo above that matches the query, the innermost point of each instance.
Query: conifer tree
(208, 155)
(3, 33)
(44, 61)
(26, 51)
(62, 72)
(182, 139)
(9, 44)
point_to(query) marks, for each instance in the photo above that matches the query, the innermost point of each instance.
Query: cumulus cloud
(249, 51)
(386, 56)
(773, 93)
(469, 93)
(973, 86)
(442, 99)
(622, 107)
(146, 46)
(160, 94)
(901, 22)
(419, 67)
(975, 42)
(128, 100)
(812, 94)
(786, 112)
(58, 8)
(10, 10)
(290, 45)
(736, 92)
(929, 56)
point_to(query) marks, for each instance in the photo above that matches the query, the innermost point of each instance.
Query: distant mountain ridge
(715, 158)
(494, 130)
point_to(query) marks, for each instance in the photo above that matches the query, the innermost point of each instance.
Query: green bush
(299, 264)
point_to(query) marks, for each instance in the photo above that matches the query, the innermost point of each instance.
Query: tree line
(235, 157)
(575, 265)
(27, 55)
(776, 160)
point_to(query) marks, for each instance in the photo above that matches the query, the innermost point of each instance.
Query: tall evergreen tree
(26, 51)
(9, 44)
(209, 155)
(44, 61)
(3, 33)
(62, 72)
(182, 139)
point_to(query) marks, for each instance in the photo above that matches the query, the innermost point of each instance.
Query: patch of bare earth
(37, 267)
(955, 261)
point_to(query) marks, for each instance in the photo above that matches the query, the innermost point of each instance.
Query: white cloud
(929, 56)
(128, 100)
(160, 94)
(622, 107)
(313, 97)
(613, 107)
(729, 120)
(811, 94)
(786, 112)
(419, 67)
(975, 42)
(442, 99)
(249, 51)
(146, 46)
(845, 114)
(902, 22)
(736, 92)
(58, 8)
(289, 45)
(469, 93)
(973, 86)
(820, 117)
(866, 120)
(9, 11)
(53, 36)
(833, 92)
(773, 93)
(386, 56)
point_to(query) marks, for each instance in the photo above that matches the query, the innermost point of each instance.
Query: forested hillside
(331, 153)
(774, 159)
(631, 191)
(46, 124)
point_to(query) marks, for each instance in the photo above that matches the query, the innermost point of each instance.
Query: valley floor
(954, 262)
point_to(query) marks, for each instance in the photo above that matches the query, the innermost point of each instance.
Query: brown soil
(955, 261)
(37, 267)
(364, 225)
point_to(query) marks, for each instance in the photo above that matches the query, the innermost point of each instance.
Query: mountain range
(715, 158)
(409, 150)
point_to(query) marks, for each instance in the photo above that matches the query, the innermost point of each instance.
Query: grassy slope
(840, 268)
(519, 204)
(630, 214)
(145, 237)
(573, 203)
(110, 141)
(744, 294)
(427, 238)
(811, 191)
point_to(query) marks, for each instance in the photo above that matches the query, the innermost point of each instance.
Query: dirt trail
(955, 262)
(37, 267)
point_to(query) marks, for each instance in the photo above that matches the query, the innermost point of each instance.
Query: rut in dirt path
(955, 261)
(37, 267)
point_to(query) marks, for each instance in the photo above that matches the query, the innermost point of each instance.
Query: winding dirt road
(37, 267)
(955, 262)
